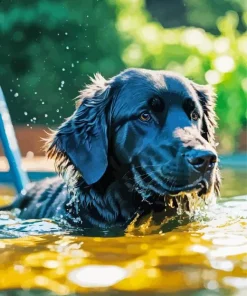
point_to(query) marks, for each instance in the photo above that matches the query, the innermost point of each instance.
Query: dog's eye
(194, 115)
(145, 117)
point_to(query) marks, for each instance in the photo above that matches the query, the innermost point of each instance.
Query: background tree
(48, 49)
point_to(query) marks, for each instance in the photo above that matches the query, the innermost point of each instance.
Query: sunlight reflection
(198, 38)
(199, 249)
(242, 45)
(224, 64)
(229, 251)
(133, 55)
(236, 282)
(213, 77)
(97, 275)
(225, 265)
(193, 36)
(230, 240)
(150, 33)
(222, 45)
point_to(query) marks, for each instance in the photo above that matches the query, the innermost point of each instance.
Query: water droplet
(25, 113)
(66, 33)
(72, 65)
(16, 95)
(63, 69)
(57, 110)
(46, 115)
(67, 47)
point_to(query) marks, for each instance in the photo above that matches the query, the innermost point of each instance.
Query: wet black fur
(100, 150)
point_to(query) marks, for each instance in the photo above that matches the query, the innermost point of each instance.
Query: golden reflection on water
(209, 254)
(188, 258)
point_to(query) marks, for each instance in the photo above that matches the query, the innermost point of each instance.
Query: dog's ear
(82, 140)
(207, 98)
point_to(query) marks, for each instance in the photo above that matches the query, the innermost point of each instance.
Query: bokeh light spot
(224, 63)
(213, 77)
(97, 275)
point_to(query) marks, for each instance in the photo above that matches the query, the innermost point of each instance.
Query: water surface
(202, 255)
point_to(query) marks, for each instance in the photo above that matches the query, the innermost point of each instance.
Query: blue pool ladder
(10, 146)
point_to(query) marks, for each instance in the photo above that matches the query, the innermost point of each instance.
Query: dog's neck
(112, 200)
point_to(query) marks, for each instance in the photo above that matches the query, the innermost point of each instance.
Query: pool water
(202, 255)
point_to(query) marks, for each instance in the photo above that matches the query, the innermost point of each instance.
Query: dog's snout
(203, 161)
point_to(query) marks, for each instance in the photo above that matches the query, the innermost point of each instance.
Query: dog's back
(50, 193)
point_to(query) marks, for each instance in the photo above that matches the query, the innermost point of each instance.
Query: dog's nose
(203, 161)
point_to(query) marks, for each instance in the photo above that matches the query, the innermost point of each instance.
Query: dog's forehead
(139, 85)
(178, 84)
(145, 83)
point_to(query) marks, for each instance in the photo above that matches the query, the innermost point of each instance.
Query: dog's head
(157, 124)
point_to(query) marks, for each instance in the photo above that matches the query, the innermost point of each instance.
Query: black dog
(142, 137)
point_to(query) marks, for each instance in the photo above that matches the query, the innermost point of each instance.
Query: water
(203, 255)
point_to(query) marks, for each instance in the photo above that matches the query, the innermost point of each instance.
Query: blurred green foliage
(205, 13)
(202, 14)
(48, 49)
